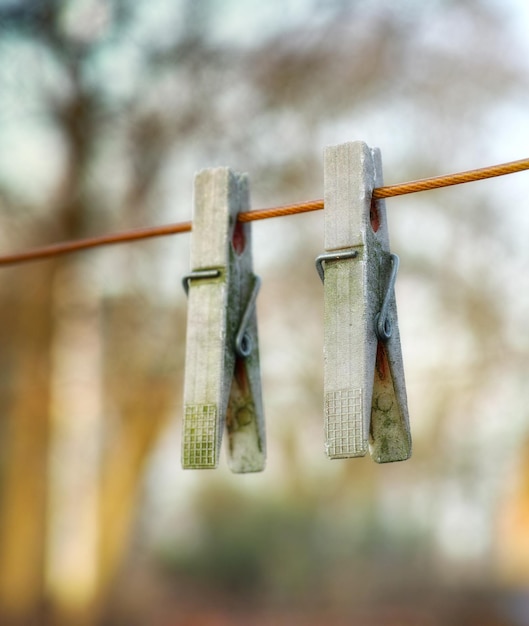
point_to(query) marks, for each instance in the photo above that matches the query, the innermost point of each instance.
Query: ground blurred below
(149, 599)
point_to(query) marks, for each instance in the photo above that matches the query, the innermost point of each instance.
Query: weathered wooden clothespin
(364, 388)
(222, 377)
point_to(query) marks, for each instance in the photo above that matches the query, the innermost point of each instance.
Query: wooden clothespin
(222, 377)
(364, 388)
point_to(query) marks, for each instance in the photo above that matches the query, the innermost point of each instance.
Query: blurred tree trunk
(26, 342)
(142, 401)
(512, 536)
(76, 418)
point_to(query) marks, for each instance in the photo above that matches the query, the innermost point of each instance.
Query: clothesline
(389, 191)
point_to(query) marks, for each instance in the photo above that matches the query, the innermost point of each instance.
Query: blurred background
(107, 109)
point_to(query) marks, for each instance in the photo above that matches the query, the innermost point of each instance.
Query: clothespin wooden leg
(390, 427)
(365, 398)
(222, 377)
(245, 415)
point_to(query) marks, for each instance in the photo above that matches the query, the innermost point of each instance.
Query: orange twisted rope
(260, 214)
(426, 184)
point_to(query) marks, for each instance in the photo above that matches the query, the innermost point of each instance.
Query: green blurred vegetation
(290, 550)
